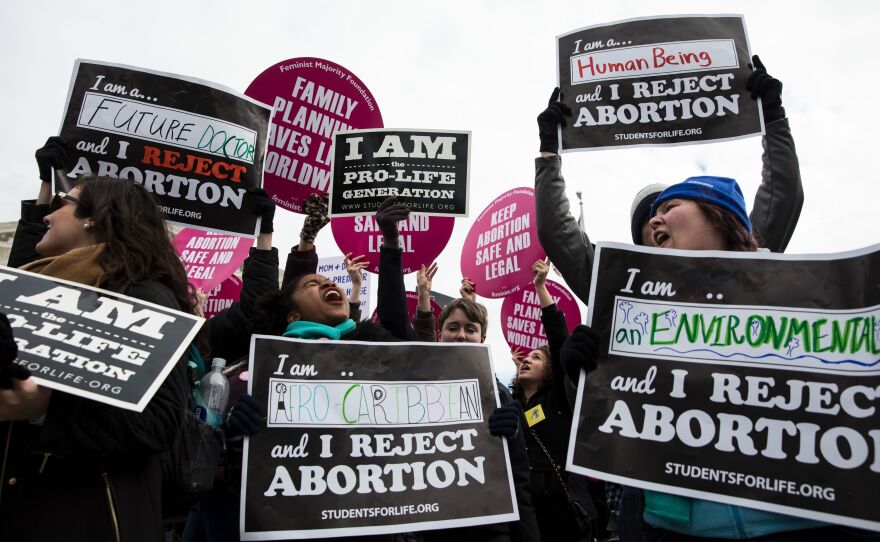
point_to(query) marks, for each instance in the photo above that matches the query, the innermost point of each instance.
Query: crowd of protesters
(75, 469)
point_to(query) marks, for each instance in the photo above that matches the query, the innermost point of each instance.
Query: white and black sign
(90, 342)
(334, 268)
(751, 379)
(198, 147)
(426, 169)
(372, 438)
(658, 81)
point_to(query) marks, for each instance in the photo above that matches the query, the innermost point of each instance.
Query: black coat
(91, 471)
(555, 515)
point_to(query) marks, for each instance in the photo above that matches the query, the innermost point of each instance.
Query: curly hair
(546, 381)
(273, 308)
(126, 218)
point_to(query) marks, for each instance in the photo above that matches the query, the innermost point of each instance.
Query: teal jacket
(696, 517)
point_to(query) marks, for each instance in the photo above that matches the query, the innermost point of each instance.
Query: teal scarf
(313, 330)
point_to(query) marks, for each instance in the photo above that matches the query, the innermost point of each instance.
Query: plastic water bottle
(213, 394)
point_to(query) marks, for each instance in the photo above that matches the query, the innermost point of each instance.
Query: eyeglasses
(58, 201)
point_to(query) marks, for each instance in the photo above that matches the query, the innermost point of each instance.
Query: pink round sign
(502, 245)
(412, 303)
(311, 99)
(521, 315)
(222, 296)
(422, 238)
(208, 257)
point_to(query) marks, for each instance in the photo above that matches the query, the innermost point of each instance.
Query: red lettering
(582, 66)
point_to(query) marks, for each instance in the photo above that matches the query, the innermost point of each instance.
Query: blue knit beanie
(720, 191)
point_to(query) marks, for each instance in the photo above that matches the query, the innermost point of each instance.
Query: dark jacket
(91, 471)
(774, 215)
(227, 335)
(554, 513)
(392, 304)
(554, 430)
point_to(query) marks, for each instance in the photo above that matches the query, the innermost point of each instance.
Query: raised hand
(549, 120)
(468, 289)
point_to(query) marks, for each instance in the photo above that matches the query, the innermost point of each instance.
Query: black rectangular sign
(658, 81)
(90, 342)
(426, 169)
(745, 378)
(372, 438)
(198, 147)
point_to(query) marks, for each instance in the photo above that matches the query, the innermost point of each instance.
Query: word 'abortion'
(665, 110)
(369, 478)
(806, 442)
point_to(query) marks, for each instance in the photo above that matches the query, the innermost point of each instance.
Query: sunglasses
(58, 201)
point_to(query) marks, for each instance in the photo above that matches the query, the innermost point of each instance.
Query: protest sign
(422, 238)
(372, 438)
(521, 315)
(311, 100)
(656, 81)
(197, 146)
(502, 245)
(425, 169)
(334, 269)
(745, 378)
(412, 305)
(223, 296)
(90, 342)
(208, 257)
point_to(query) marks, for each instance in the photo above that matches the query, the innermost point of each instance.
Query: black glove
(265, 207)
(51, 155)
(580, 351)
(315, 209)
(549, 120)
(8, 352)
(768, 88)
(389, 214)
(504, 422)
(244, 417)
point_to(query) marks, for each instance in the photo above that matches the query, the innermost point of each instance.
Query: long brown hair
(736, 237)
(138, 247)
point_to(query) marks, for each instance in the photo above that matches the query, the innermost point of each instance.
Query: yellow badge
(535, 415)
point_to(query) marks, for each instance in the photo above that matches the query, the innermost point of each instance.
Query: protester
(227, 336)
(303, 258)
(563, 505)
(700, 213)
(73, 468)
(308, 306)
(462, 320)
(775, 210)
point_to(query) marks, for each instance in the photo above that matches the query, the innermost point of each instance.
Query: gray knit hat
(641, 207)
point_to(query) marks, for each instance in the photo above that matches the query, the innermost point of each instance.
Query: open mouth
(333, 297)
(660, 237)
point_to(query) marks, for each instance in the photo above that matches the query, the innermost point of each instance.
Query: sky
(483, 66)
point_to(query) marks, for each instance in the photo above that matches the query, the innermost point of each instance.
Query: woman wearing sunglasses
(72, 468)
